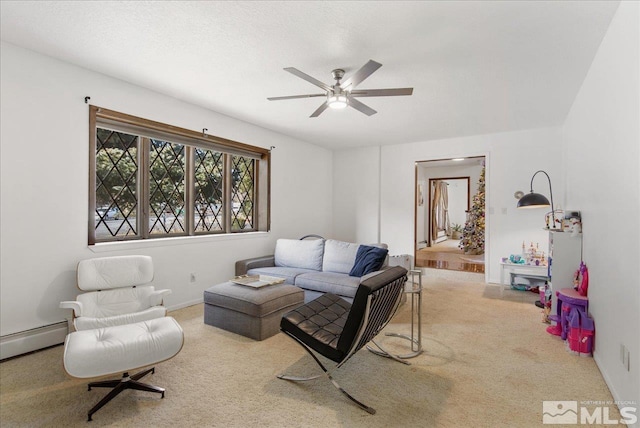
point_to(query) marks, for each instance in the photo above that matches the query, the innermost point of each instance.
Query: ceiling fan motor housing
(338, 74)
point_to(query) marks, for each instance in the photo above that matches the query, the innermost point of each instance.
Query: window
(151, 180)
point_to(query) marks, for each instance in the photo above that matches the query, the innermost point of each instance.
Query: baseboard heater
(32, 340)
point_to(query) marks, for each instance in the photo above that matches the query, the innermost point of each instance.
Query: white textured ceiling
(476, 67)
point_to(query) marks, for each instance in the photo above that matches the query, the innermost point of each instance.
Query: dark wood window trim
(175, 134)
(148, 130)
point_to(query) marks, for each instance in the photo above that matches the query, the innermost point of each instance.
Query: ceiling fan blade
(320, 109)
(382, 92)
(308, 78)
(364, 72)
(291, 97)
(361, 107)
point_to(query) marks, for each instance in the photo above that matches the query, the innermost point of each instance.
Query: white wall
(44, 188)
(602, 139)
(511, 158)
(458, 200)
(422, 211)
(356, 192)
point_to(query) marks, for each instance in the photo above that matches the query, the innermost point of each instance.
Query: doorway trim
(488, 206)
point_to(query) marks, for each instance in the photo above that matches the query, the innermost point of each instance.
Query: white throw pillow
(302, 254)
(339, 256)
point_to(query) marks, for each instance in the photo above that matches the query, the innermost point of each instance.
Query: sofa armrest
(403, 260)
(242, 266)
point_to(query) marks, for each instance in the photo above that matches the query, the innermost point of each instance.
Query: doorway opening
(449, 213)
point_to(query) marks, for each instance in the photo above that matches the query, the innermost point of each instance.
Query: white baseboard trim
(614, 393)
(185, 304)
(22, 342)
(32, 340)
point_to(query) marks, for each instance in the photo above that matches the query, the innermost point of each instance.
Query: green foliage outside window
(117, 194)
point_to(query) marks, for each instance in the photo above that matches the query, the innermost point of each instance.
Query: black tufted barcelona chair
(337, 329)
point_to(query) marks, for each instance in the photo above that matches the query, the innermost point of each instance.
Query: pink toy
(556, 330)
(581, 331)
(568, 300)
(542, 290)
(583, 282)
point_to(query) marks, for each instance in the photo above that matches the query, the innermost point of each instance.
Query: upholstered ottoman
(251, 312)
(119, 349)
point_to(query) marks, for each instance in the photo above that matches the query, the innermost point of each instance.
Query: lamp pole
(553, 212)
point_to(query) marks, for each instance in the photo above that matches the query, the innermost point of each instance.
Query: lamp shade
(533, 200)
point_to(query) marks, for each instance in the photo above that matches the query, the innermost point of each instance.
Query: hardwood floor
(447, 255)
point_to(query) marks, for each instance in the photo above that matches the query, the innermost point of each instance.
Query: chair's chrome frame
(354, 348)
(328, 373)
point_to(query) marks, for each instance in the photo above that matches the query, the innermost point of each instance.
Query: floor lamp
(537, 200)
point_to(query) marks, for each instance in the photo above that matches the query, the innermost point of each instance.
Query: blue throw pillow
(368, 259)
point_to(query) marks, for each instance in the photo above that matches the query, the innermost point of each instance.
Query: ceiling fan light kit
(337, 101)
(343, 94)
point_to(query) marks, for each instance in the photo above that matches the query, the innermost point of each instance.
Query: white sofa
(317, 266)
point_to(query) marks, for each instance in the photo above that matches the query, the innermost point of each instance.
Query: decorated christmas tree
(472, 241)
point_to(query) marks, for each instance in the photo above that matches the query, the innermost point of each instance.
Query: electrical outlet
(192, 277)
(625, 357)
(626, 362)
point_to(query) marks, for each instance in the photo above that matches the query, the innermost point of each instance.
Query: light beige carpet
(488, 362)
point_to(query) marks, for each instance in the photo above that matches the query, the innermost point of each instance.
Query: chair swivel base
(127, 382)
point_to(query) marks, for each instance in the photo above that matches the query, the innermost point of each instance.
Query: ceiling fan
(343, 93)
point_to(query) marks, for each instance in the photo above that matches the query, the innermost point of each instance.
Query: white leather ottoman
(118, 349)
